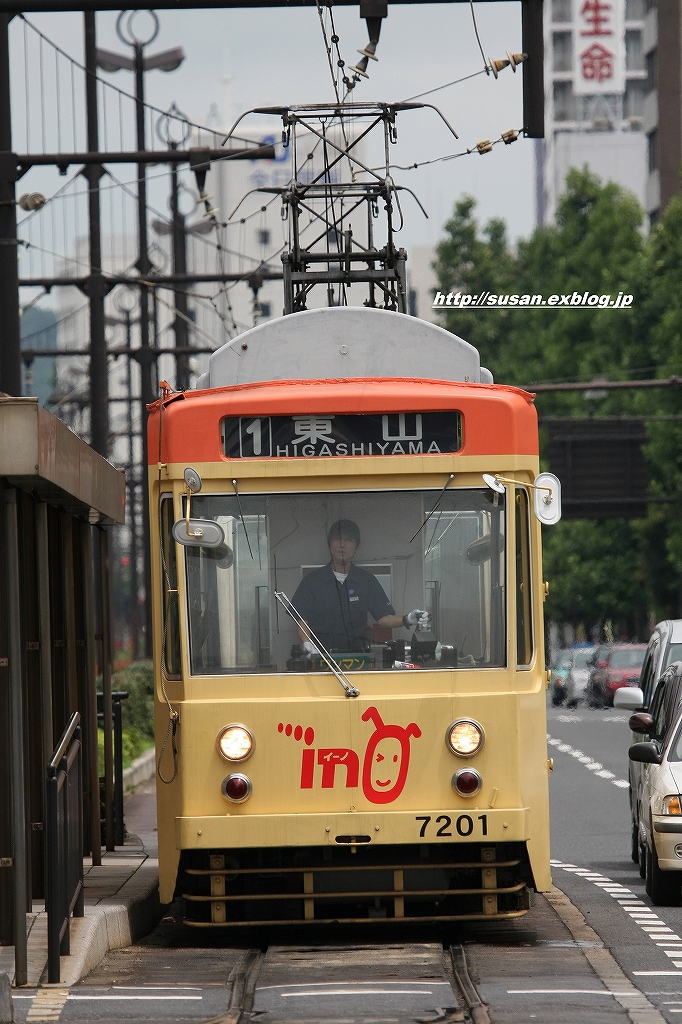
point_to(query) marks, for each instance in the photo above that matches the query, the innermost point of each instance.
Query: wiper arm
(241, 516)
(440, 498)
(324, 653)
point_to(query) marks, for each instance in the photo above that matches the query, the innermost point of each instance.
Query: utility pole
(97, 287)
(10, 335)
(164, 131)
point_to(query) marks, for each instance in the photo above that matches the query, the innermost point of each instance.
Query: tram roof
(341, 342)
(40, 454)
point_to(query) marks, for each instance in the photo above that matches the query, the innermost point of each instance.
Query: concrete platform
(121, 900)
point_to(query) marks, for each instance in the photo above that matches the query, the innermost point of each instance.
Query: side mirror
(647, 752)
(547, 498)
(479, 551)
(546, 490)
(203, 533)
(641, 722)
(629, 698)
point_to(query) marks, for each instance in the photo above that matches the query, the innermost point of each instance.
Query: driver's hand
(417, 617)
(310, 648)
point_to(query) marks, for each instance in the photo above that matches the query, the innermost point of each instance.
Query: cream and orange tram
(380, 771)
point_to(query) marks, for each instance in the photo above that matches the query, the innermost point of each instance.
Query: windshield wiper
(440, 498)
(324, 653)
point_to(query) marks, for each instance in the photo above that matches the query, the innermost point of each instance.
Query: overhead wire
(149, 107)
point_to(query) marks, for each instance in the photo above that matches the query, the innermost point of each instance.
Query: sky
(240, 59)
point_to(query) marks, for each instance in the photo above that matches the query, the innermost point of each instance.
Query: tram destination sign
(322, 435)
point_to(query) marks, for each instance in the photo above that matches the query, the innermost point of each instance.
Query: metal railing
(117, 696)
(64, 844)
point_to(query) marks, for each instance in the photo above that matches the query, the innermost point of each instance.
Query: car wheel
(634, 846)
(662, 886)
(641, 860)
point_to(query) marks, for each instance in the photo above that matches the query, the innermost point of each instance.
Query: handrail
(64, 844)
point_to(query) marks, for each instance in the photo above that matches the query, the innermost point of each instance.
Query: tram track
(354, 985)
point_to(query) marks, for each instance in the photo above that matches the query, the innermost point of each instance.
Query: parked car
(559, 674)
(664, 648)
(659, 753)
(597, 665)
(623, 668)
(578, 675)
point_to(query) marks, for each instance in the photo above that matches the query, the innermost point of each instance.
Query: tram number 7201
(464, 825)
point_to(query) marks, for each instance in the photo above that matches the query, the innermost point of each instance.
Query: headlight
(464, 737)
(235, 742)
(671, 805)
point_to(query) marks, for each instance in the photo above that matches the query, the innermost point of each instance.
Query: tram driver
(334, 600)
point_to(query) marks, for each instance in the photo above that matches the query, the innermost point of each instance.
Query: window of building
(652, 140)
(651, 65)
(263, 236)
(634, 10)
(634, 57)
(649, 5)
(561, 10)
(562, 51)
(633, 105)
(564, 101)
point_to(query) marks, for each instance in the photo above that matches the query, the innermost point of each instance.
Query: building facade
(596, 82)
(662, 102)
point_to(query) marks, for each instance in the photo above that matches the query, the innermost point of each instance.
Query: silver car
(660, 807)
(578, 675)
(664, 648)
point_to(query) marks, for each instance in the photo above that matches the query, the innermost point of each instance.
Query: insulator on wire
(484, 146)
(31, 201)
(515, 59)
(498, 65)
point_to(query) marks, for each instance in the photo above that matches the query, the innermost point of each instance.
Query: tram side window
(524, 606)
(443, 553)
(169, 583)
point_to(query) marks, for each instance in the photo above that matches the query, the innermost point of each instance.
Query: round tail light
(236, 788)
(467, 782)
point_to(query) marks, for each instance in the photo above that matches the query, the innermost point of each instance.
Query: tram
(394, 766)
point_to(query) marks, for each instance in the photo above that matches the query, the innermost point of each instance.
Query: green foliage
(134, 744)
(137, 680)
(618, 569)
(138, 710)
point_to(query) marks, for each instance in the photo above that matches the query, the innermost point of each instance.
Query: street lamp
(166, 60)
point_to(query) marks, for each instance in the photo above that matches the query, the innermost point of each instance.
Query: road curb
(633, 1001)
(112, 923)
(141, 770)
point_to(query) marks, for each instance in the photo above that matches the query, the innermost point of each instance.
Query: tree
(597, 570)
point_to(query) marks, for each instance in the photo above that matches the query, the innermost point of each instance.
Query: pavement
(121, 899)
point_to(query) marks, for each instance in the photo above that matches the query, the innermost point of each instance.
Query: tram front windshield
(442, 553)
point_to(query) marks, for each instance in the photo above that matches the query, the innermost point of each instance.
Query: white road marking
(351, 981)
(362, 992)
(594, 766)
(124, 998)
(566, 992)
(658, 974)
(651, 924)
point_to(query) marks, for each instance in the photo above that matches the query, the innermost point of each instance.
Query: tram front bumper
(478, 825)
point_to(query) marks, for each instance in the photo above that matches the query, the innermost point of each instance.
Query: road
(602, 955)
